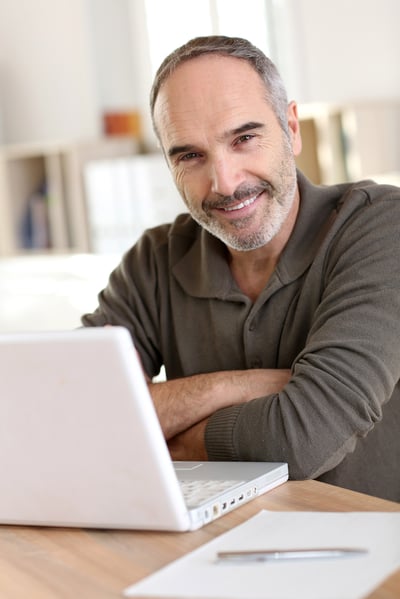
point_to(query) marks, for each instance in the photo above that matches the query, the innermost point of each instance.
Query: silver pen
(289, 554)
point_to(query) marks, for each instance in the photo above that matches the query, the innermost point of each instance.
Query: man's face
(230, 159)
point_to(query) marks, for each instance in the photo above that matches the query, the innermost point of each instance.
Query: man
(274, 306)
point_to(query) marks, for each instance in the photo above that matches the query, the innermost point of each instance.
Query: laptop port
(207, 515)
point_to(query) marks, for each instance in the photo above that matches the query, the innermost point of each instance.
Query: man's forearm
(181, 403)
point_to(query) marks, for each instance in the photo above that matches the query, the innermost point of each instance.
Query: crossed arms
(184, 405)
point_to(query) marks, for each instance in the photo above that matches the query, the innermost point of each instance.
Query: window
(166, 32)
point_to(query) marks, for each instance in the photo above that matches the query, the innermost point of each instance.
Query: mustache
(242, 192)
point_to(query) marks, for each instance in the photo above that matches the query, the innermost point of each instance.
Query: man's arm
(349, 367)
(190, 444)
(183, 403)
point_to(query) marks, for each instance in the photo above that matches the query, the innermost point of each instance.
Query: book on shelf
(35, 222)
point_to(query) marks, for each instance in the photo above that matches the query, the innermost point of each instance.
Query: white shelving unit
(351, 141)
(42, 198)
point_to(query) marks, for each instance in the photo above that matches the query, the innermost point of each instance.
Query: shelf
(42, 200)
(349, 142)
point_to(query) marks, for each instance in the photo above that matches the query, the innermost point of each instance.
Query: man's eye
(244, 138)
(189, 156)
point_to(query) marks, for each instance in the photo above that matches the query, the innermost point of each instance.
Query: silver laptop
(81, 445)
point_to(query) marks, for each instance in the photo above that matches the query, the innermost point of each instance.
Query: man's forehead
(207, 66)
(207, 84)
(210, 71)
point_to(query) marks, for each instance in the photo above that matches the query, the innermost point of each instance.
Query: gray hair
(236, 47)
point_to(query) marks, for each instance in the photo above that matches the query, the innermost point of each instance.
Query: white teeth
(241, 205)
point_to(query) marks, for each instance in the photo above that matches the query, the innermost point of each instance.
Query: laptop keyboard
(197, 491)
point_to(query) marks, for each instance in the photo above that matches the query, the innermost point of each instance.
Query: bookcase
(42, 196)
(350, 142)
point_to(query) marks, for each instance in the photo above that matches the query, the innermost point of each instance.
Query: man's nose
(224, 175)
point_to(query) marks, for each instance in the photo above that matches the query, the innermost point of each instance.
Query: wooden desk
(65, 563)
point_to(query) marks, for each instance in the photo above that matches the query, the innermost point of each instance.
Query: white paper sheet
(198, 575)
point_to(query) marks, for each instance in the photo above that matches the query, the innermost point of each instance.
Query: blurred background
(80, 172)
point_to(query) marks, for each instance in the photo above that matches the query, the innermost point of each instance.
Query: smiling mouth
(243, 204)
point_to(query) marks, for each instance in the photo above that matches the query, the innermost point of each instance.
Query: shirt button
(256, 363)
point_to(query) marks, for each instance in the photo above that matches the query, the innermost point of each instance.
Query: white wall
(109, 30)
(142, 66)
(342, 50)
(46, 75)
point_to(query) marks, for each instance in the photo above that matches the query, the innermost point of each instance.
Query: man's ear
(294, 128)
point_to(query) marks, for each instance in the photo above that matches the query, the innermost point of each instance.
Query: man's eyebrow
(180, 149)
(250, 126)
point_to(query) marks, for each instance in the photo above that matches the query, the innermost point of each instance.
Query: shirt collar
(203, 271)
(317, 210)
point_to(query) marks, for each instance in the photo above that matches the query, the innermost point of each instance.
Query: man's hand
(189, 445)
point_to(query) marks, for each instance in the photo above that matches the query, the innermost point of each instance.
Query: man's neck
(253, 269)
(252, 272)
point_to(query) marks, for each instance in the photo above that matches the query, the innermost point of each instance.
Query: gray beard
(276, 211)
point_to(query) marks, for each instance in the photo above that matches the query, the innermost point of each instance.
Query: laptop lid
(80, 441)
